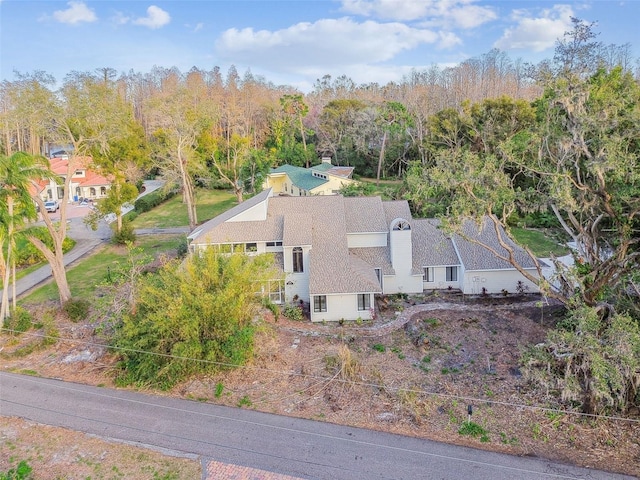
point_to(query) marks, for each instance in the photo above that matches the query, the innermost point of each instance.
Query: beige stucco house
(321, 179)
(85, 182)
(338, 252)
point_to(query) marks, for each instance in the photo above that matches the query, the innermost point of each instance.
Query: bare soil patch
(415, 380)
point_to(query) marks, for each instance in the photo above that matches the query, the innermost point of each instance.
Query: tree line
(490, 139)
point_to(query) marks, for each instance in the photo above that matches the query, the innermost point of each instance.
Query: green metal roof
(300, 177)
(322, 167)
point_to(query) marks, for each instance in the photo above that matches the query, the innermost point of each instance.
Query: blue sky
(292, 42)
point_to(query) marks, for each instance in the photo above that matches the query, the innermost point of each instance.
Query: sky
(292, 42)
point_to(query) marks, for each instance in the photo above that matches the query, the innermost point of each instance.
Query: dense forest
(556, 143)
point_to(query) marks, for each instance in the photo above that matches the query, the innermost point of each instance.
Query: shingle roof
(210, 225)
(377, 257)
(476, 257)
(431, 247)
(332, 269)
(338, 171)
(323, 222)
(365, 215)
(396, 209)
(241, 232)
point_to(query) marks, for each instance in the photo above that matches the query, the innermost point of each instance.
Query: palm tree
(18, 174)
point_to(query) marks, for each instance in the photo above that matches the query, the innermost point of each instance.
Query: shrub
(472, 429)
(125, 235)
(147, 202)
(378, 347)
(76, 310)
(272, 307)
(293, 312)
(19, 321)
(589, 361)
(28, 254)
(199, 309)
(183, 248)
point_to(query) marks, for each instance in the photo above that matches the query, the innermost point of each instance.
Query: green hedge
(146, 203)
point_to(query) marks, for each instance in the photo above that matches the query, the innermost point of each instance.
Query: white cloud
(325, 44)
(536, 33)
(156, 18)
(120, 18)
(450, 13)
(76, 13)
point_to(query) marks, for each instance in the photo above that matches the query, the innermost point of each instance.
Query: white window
(319, 303)
(276, 291)
(364, 301)
(427, 274)
(297, 260)
(452, 274)
(401, 225)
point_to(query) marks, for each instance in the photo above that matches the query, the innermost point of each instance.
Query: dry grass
(56, 453)
(420, 384)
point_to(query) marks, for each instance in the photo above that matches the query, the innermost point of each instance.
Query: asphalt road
(284, 445)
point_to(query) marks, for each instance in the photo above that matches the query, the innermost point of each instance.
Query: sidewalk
(32, 280)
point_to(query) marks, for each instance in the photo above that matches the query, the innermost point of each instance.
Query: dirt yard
(416, 379)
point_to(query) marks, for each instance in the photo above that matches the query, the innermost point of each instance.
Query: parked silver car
(52, 206)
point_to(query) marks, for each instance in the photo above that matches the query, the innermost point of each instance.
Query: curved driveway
(232, 440)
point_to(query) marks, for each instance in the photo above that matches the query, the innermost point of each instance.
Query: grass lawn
(173, 213)
(539, 243)
(92, 271)
(386, 189)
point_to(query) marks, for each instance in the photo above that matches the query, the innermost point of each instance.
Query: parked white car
(51, 206)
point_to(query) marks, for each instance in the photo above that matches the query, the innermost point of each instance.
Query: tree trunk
(58, 234)
(13, 268)
(4, 313)
(304, 140)
(56, 261)
(4, 308)
(381, 158)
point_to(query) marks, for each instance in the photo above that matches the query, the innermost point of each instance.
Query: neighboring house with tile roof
(337, 253)
(85, 182)
(322, 179)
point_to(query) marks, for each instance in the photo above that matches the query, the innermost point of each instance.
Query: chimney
(326, 160)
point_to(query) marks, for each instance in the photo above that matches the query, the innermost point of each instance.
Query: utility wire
(323, 378)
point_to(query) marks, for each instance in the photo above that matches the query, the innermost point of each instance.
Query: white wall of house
(439, 279)
(495, 281)
(341, 307)
(374, 239)
(296, 283)
(53, 191)
(402, 284)
(255, 213)
(404, 281)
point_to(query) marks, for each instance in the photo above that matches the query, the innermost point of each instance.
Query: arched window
(401, 225)
(103, 191)
(297, 260)
(92, 192)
